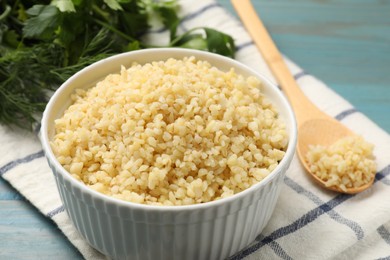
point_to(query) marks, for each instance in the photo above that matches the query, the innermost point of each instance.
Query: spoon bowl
(323, 131)
(314, 126)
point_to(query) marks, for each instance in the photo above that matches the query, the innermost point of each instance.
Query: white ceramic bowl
(125, 230)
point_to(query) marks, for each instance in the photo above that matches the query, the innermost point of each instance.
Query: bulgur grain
(348, 163)
(172, 132)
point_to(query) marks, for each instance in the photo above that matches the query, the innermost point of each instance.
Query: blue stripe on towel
(55, 211)
(304, 220)
(244, 45)
(297, 76)
(386, 181)
(381, 175)
(300, 75)
(332, 213)
(345, 113)
(307, 218)
(17, 162)
(200, 11)
(384, 233)
(277, 249)
(296, 225)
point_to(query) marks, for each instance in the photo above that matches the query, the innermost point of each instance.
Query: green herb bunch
(43, 43)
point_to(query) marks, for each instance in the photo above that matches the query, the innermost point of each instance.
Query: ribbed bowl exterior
(124, 230)
(215, 232)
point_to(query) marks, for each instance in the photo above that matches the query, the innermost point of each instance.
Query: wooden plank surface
(26, 234)
(346, 43)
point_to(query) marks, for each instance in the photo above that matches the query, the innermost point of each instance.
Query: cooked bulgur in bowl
(168, 152)
(171, 132)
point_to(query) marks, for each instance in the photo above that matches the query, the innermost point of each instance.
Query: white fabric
(308, 222)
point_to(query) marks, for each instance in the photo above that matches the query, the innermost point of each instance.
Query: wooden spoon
(314, 126)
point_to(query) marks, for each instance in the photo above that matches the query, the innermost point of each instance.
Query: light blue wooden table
(346, 43)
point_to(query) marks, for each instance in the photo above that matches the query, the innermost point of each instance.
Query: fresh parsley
(42, 43)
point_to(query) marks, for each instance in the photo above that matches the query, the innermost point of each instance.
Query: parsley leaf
(169, 17)
(43, 22)
(193, 41)
(113, 4)
(64, 5)
(212, 40)
(219, 42)
(133, 24)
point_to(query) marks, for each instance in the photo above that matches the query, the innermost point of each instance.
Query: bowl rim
(44, 137)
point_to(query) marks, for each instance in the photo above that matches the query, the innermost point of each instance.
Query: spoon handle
(304, 109)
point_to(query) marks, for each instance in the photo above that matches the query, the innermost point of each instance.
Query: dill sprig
(24, 81)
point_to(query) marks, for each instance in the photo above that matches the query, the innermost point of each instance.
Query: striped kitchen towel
(308, 222)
